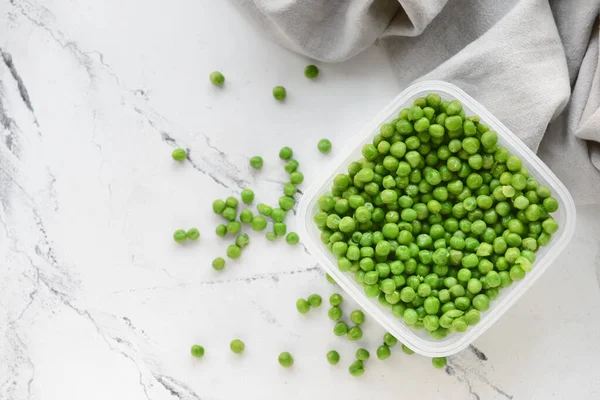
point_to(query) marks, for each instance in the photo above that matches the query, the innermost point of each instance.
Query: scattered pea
(291, 166)
(340, 329)
(246, 216)
(237, 346)
(296, 177)
(302, 306)
(292, 238)
(286, 360)
(333, 357)
(217, 78)
(242, 240)
(311, 71)
(279, 228)
(357, 368)
(358, 317)
(233, 227)
(256, 162)
(406, 350)
(179, 154)
(277, 215)
(286, 153)
(324, 146)
(247, 196)
(279, 93)
(362, 354)
(221, 230)
(259, 223)
(335, 299)
(314, 300)
(334, 313)
(389, 339)
(193, 234)
(271, 236)
(438, 362)
(218, 263)
(180, 235)
(383, 352)
(197, 351)
(234, 251)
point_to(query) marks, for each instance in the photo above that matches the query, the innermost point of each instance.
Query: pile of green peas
(436, 217)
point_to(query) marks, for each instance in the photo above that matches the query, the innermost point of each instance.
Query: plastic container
(419, 340)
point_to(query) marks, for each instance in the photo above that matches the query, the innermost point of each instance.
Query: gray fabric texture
(533, 63)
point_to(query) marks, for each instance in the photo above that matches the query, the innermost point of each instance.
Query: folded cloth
(533, 63)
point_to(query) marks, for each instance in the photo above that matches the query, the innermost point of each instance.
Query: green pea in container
(458, 337)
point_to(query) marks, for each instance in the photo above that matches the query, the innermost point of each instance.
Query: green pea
(296, 177)
(340, 329)
(218, 263)
(246, 216)
(242, 240)
(292, 238)
(278, 215)
(193, 234)
(279, 93)
(256, 162)
(179, 154)
(302, 306)
(247, 196)
(336, 299)
(286, 360)
(334, 313)
(237, 346)
(234, 251)
(259, 223)
(358, 317)
(314, 300)
(355, 333)
(383, 352)
(311, 71)
(291, 166)
(357, 368)
(179, 235)
(217, 78)
(219, 206)
(286, 203)
(362, 354)
(550, 204)
(324, 146)
(333, 357)
(279, 228)
(514, 163)
(221, 230)
(197, 351)
(389, 339)
(286, 153)
(438, 362)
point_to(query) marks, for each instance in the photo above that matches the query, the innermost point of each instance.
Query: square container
(419, 340)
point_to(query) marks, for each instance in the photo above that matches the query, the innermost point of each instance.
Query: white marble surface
(98, 302)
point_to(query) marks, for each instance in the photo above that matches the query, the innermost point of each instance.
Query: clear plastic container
(419, 340)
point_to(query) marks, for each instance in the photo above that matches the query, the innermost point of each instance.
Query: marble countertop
(98, 302)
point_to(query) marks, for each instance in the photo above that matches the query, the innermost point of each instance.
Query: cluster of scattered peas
(279, 92)
(181, 235)
(436, 217)
(355, 333)
(237, 347)
(304, 305)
